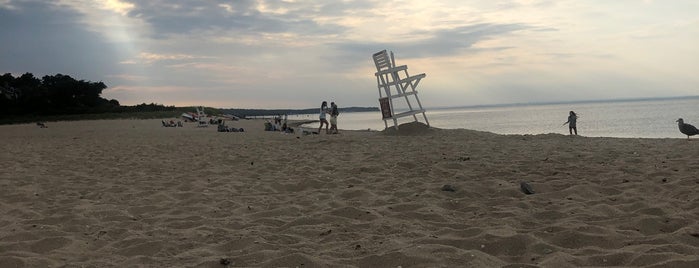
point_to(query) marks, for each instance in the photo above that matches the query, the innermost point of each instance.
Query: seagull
(687, 129)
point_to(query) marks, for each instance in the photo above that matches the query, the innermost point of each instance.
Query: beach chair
(396, 85)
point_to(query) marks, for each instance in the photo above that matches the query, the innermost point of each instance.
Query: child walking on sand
(572, 123)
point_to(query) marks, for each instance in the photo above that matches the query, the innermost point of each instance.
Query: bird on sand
(687, 129)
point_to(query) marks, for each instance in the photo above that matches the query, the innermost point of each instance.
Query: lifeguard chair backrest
(382, 61)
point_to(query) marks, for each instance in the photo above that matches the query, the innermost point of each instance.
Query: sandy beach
(131, 193)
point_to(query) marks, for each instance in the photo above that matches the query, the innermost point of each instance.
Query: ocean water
(623, 119)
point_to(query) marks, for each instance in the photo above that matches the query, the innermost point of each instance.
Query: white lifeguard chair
(201, 117)
(394, 83)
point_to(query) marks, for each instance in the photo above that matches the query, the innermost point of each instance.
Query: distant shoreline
(273, 112)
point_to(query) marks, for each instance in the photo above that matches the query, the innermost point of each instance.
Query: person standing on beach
(322, 116)
(572, 123)
(333, 118)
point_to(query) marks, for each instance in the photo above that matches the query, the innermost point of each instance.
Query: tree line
(27, 98)
(60, 94)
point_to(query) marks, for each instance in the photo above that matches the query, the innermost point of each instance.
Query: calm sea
(625, 119)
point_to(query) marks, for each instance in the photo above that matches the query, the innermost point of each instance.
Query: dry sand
(131, 193)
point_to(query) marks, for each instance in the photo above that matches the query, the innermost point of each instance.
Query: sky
(269, 54)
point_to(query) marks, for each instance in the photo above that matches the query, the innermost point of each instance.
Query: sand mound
(409, 129)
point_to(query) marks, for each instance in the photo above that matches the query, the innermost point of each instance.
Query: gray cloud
(44, 39)
(450, 41)
(439, 43)
(184, 17)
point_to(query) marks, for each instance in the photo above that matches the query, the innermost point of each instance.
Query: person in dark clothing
(572, 123)
(333, 118)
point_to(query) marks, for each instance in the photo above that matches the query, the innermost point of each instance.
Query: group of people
(269, 126)
(333, 112)
(172, 123)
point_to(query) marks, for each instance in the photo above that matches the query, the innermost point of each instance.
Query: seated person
(287, 129)
(270, 127)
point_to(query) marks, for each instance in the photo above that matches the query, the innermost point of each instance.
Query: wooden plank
(392, 70)
(408, 93)
(404, 80)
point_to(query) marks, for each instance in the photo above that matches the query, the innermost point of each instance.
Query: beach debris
(687, 129)
(326, 232)
(224, 261)
(448, 188)
(526, 188)
(357, 247)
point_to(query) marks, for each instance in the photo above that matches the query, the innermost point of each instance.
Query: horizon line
(566, 102)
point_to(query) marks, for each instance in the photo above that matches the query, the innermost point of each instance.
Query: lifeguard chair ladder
(394, 82)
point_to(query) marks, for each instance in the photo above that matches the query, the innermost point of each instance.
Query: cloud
(450, 41)
(239, 53)
(120, 7)
(437, 43)
(154, 57)
(7, 4)
(242, 17)
(43, 39)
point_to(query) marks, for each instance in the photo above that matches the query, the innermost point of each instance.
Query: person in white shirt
(323, 120)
